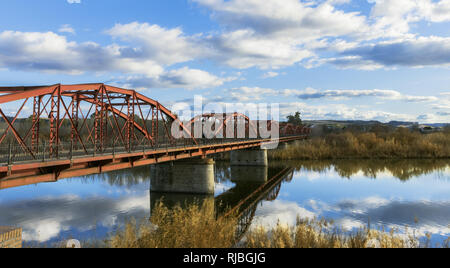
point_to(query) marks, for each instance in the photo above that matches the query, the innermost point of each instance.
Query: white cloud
(443, 105)
(284, 212)
(351, 112)
(268, 35)
(245, 94)
(311, 93)
(165, 46)
(274, 34)
(439, 117)
(179, 78)
(44, 219)
(42, 230)
(270, 75)
(349, 224)
(241, 101)
(153, 48)
(410, 52)
(297, 32)
(66, 28)
(340, 112)
(245, 49)
(292, 18)
(257, 93)
(335, 111)
(403, 12)
(35, 51)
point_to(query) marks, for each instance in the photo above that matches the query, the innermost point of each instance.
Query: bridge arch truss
(84, 117)
(223, 125)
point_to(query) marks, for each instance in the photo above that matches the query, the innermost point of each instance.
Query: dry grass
(198, 227)
(193, 227)
(401, 143)
(322, 234)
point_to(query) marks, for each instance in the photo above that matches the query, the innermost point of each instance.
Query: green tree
(295, 119)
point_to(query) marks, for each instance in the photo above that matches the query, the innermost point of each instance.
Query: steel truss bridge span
(84, 129)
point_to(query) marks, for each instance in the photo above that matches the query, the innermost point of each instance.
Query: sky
(329, 59)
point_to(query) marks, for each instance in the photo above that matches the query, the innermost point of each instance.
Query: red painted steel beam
(18, 93)
(124, 116)
(18, 89)
(13, 121)
(152, 102)
(27, 94)
(17, 135)
(75, 132)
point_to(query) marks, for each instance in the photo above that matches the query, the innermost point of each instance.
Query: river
(400, 194)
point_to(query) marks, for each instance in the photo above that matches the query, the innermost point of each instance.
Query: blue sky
(330, 59)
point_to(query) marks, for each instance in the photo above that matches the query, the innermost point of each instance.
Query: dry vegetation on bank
(193, 227)
(401, 143)
(197, 227)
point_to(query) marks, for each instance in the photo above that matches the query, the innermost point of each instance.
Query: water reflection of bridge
(252, 186)
(248, 188)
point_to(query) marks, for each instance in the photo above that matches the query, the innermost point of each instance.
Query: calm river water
(388, 194)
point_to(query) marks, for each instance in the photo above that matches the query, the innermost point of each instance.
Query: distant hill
(10, 118)
(368, 123)
(402, 123)
(438, 124)
(341, 121)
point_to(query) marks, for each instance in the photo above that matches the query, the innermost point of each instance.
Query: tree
(295, 119)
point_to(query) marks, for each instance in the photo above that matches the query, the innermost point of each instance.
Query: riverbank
(400, 144)
(197, 227)
(402, 169)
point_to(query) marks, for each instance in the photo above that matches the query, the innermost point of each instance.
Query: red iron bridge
(76, 130)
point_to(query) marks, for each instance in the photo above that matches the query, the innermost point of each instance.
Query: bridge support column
(249, 158)
(194, 176)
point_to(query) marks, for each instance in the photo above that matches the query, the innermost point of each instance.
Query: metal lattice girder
(54, 117)
(118, 115)
(228, 122)
(36, 123)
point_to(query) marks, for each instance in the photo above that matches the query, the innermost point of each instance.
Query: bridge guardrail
(14, 153)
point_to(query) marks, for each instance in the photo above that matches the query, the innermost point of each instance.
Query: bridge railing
(14, 152)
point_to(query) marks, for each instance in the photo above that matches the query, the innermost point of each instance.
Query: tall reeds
(322, 234)
(193, 227)
(198, 227)
(399, 144)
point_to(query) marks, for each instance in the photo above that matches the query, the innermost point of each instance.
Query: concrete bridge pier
(193, 176)
(252, 157)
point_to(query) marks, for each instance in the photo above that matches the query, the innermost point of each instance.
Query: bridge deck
(30, 171)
